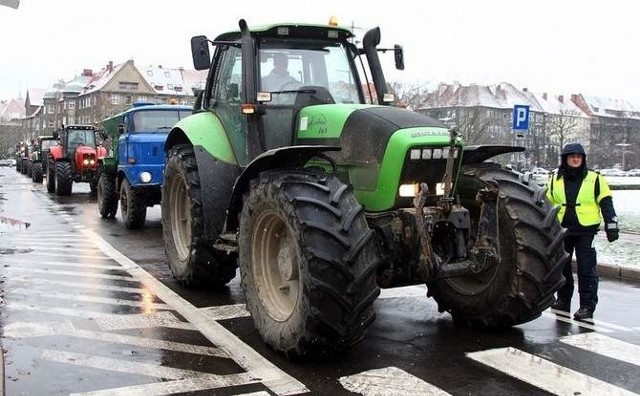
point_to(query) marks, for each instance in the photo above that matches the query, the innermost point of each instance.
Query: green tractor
(39, 156)
(322, 192)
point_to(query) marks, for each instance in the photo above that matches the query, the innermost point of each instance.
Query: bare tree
(563, 127)
(411, 96)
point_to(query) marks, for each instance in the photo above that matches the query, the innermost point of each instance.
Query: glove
(613, 233)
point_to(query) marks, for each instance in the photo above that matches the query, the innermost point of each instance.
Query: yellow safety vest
(587, 204)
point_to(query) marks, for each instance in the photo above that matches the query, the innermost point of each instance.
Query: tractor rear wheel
(308, 263)
(51, 176)
(106, 195)
(36, 172)
(191, 261)
(132, 206)
(531, 251)
(64, 178)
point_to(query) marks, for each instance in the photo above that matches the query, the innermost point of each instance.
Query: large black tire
(308, 263)
(64, 178)
(51, 176)
(36, 172)
(29, 167)
(191, 260)
(133, 208)
(107, 196)
(23, 167)
(531, 249)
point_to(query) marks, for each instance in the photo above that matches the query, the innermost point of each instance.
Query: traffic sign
(520, 118)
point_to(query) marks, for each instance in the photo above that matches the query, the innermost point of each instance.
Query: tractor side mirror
(398, 54)
(200, 52)
(120, 129)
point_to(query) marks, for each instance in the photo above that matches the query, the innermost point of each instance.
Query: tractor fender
(56, 152)
(284, 157)
(479, 153)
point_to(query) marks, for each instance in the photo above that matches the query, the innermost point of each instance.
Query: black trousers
(587, 271)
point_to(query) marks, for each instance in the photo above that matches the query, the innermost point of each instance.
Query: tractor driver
(279, 76)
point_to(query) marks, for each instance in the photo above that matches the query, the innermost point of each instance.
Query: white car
(633, 172)
(612, 172)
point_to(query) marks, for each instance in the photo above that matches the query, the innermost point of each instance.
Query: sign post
(520, 125)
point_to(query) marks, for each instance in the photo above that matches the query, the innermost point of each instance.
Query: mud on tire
(532, 255)
(192, 263)
(307, 259)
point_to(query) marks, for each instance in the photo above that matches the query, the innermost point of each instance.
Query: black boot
(584, 313)
(561, 305)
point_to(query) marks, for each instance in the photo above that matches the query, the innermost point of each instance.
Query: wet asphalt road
(91, 308)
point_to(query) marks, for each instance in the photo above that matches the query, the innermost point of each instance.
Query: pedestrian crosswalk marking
(222, 312)
(390, 381)
(277, 380)
(92, 286)
(606, 346)
(580, 323)
(95, 299)
(43, 252)
(139, 321)
(73, 264)
(41, 329)
(544, 374)
(71, 273)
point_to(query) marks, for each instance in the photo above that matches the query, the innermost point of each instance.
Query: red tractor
(74, 159)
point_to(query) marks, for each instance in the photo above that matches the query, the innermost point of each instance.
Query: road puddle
(9, 224)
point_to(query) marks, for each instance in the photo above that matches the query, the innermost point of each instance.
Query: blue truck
(131, 173)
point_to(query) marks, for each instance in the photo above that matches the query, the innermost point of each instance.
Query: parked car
(633, 172)
(612, 172)
(10, 162)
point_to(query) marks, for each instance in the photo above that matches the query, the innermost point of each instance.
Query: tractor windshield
(150, 121)
(81, 137)
(48, 143)
(300, 65)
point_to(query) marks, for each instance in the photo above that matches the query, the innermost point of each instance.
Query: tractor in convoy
(73, 159)
(39, 155)
(22, 155)
(322, 191)
(132, 172)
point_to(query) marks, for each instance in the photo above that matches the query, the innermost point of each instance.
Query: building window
(158, 87)
(72, 104)
(128, 86)
(115, 99)
(177, 88)
(127, 99)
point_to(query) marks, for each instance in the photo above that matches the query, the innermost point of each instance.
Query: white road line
(586, 325)
(390, 381)
(19, 330)
(67, 249)
(28, 256)
(103, 300)
(73, 265)
(270, 375)
(210, 381)
(605, 346)
(71, 240)
(36, 281)
(72, 273)
(596, 322)
(405, 291)
(223, 312)
(139, 321)
(544, 374)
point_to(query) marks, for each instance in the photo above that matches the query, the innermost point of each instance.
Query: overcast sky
(561, 46)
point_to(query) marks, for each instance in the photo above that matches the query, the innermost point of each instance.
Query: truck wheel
(531, 249)
(63, 178)
(308, 263)
(23, 167)
(51, 177)
(36, 172)
(191, 261)
(107, 196)
(132, 206)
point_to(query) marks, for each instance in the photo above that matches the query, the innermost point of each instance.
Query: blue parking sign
(520, 118)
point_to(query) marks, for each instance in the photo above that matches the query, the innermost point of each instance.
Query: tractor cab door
(225, 100)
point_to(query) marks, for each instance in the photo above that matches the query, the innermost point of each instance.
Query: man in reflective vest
(583, 196)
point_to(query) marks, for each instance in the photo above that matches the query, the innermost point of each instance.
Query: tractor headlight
(145, 177)
(408, 190)
(85, 161)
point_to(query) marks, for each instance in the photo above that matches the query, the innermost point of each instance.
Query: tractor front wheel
(308, 263)
(63, 178)
(132, 206)
(191, 260)
(530, 247)
(106, 195)
(36, 172)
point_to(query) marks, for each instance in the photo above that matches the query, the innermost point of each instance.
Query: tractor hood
(363, 131)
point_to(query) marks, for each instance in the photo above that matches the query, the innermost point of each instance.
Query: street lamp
(624, 146)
